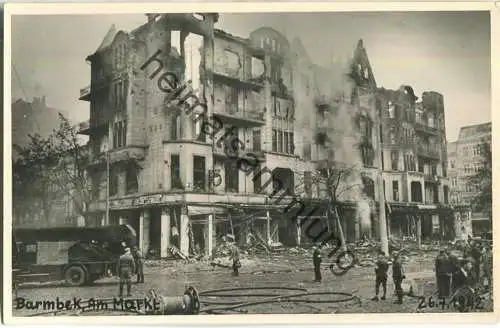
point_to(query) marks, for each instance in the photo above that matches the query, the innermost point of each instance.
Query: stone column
(268, 228)
(165, 232)
(299, 235)
(183, 231)
(209, 233)
(144, 220)
(419, 230)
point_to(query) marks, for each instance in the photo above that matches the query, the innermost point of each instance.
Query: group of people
(381, 275)
(130, 262)
(473, 269)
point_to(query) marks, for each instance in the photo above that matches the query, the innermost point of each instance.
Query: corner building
(167, 176)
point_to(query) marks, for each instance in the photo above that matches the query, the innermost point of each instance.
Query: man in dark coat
(126, 267)
(443, 272)
(381, 276)
(398, 276)
(235, 256)
(317, 264)
(139, 263)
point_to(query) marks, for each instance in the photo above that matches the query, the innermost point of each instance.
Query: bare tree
(48, 170)
(333, 181)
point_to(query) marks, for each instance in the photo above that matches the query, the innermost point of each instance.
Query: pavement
(170, 278)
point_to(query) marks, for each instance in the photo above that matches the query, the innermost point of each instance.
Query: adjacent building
(465, 160)
(32, 118)
(178, 184)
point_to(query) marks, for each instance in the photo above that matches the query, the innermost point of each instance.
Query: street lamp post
(380, 184)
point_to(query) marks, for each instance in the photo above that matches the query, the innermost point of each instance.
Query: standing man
(398, 276)
(235, 255)
(125, 267)
(381, 275)
(317, 264)
(139, 263)
(488, 265)
(442, 269)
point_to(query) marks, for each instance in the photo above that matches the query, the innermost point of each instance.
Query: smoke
(334, 87)
(344, 138)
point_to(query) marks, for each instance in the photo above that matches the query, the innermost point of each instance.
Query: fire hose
(293, 297)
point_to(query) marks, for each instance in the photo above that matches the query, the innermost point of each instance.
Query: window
(175, 172)
(286, 142)
(280, 141)
(131, 178)
(452, 164)
(392, 135)
(307, 151)
(292, 143)
(395, 191)
(430, 119)
(262, 42)
(277, 105)
(119, 134)
(367, 154)
(275, 140)
(175, 132)
(274, 45)
(113, 182)
(391, 110)
(232, 100)
(256, 140)
(231, 174)
(199, 173)
(394, 160)
(308, 184)
(368, 187)
(96, 182)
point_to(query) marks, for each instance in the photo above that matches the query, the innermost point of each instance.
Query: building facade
(465, 160)
(176, 176)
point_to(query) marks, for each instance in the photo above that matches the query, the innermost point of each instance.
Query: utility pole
(380, 184)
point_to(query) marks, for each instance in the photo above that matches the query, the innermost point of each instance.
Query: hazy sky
(447, 52)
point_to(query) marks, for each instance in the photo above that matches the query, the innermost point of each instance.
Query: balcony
(427, 151)
(241, 117)
(85, 128)
(228, 77)
(124, 154)
(85, 93)
(424, 128)
(432, 178)
(248, 153)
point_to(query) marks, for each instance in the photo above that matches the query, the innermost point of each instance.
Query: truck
(77, 255)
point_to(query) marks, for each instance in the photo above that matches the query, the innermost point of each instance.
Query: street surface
(170, 278)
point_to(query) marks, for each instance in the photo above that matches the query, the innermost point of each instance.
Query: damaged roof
(108, 38)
